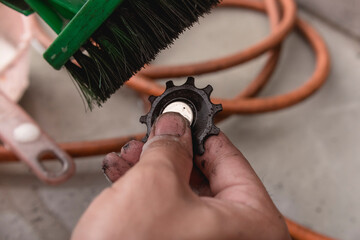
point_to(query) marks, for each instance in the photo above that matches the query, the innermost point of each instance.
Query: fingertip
(114, 166)
(131, 151)
(170, 130)
(170, 123)
(109, 159)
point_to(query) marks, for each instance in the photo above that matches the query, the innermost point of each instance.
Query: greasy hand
(153, 200)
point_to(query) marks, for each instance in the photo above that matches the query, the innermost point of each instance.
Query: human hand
(153, 199)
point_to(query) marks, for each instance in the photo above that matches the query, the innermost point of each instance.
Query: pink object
(29, 142)
(15, 37)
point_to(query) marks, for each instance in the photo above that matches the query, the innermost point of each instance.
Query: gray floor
(306, 155)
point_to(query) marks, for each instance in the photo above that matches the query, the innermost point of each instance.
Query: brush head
(130, 38)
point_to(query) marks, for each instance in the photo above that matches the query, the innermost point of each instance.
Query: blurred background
(306, 155)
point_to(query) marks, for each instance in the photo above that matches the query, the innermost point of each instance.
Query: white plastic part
(181, 108)
(26, 133)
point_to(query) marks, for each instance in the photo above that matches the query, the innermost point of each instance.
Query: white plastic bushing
(181, 108)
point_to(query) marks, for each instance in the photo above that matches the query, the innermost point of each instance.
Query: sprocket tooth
(151, 98)
(144, 140)
(143, 119)
(208, 89)
(169, 84)
(214, 130)
(190, 81)
(218, 108)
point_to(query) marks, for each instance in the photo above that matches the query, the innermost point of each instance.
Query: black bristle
(130, 38)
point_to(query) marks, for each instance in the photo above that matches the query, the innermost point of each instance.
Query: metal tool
(30, 143)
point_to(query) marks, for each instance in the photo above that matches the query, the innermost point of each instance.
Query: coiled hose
(245, 102)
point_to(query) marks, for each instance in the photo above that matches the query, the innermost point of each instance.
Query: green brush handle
(19, 6)
(56, 13)
(80, 28)
(73, 20)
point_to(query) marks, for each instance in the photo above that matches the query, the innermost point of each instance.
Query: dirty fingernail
(170, 124)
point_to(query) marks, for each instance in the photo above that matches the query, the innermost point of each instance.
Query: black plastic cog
(198, 99)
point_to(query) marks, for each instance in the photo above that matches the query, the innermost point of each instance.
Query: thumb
(169, 148)
(159, 178)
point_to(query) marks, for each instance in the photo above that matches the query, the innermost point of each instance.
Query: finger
(131, 151)
(114, 166)
(168, 150)
(229, 173)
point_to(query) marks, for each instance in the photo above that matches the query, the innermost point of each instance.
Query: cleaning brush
(110, 40)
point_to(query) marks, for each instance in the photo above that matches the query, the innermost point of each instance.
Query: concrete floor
(306, 155)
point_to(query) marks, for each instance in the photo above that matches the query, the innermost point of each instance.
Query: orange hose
(299, 232)
(274, 54)
(240, 104)
(279, 33)
(81, 149)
